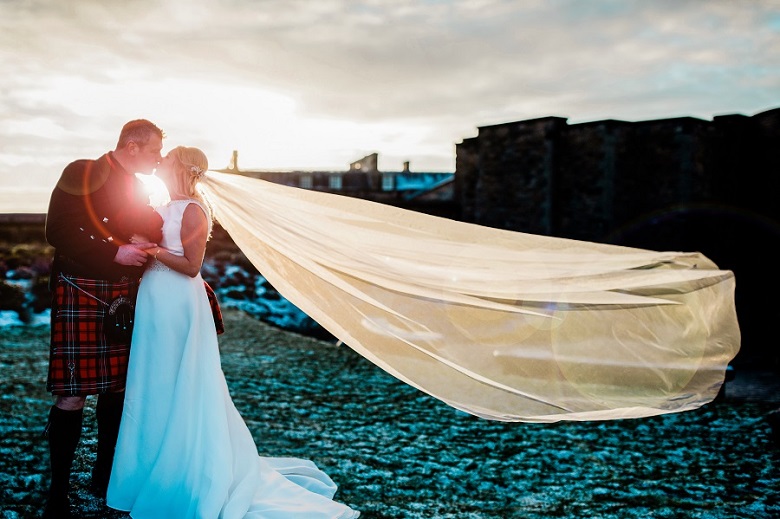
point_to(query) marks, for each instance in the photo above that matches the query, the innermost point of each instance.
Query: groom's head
(139, 146)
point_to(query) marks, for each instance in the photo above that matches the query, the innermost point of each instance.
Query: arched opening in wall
(736, 239)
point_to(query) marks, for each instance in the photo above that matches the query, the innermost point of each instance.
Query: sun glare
(158, 193)
(269, 129)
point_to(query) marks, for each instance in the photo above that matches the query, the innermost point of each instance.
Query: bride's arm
(194, 234)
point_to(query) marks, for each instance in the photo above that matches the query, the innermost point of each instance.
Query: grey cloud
(452, 65)
(369, 69)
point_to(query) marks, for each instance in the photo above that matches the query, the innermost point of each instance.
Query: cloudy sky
(318, 84)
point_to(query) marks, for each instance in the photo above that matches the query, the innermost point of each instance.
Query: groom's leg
(109, 416)
(63, 432)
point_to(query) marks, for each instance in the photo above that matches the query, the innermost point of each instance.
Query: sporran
(118, 321)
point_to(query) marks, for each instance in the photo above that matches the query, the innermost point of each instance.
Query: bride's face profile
(179, 172)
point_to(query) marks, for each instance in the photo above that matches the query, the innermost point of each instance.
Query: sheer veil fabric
(502, 325)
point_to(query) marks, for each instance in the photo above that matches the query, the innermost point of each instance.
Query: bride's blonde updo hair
(190, 167)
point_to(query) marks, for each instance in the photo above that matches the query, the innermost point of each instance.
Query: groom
(95, 209)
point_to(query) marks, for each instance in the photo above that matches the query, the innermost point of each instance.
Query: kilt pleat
(81, 361)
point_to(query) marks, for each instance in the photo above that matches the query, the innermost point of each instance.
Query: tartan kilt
(81, 361)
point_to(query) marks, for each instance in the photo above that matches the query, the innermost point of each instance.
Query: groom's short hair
(138, 131)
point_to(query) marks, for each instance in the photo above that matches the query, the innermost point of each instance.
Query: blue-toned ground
(397, 453)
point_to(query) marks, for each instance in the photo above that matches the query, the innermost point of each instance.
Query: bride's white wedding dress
(183, 450)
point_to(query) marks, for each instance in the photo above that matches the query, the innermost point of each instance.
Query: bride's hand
(138, 238)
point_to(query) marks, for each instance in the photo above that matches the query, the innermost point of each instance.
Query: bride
(183, 449)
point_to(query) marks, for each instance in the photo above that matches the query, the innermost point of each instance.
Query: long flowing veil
(503, 325)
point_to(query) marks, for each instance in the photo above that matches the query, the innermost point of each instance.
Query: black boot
(63, 432)
(109, 415)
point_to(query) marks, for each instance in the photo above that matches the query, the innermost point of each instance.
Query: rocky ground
(397, 453)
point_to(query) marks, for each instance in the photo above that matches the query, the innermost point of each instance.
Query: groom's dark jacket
(96, 207)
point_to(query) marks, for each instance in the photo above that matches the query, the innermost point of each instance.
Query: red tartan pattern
(81, 362)
(216, 312)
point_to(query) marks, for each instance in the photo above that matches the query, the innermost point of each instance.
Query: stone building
(669, 184)
(425, 192)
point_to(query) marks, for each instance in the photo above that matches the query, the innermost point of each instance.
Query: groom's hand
(132, 254)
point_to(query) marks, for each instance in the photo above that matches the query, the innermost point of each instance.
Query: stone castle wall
(588, 180)
(672, 184)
